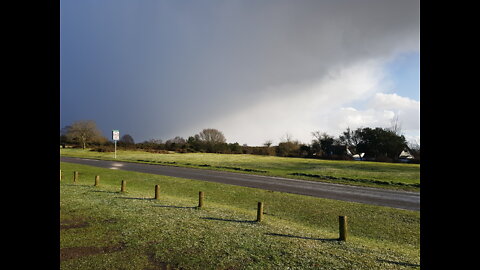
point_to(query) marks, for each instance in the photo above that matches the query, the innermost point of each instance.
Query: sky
(255, 70)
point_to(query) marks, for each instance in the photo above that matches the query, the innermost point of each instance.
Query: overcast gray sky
(255, 70)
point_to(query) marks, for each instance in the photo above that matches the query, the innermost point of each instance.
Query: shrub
(103, 148)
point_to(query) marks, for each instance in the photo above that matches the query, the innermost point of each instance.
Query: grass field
(375, 174)
(102, 228)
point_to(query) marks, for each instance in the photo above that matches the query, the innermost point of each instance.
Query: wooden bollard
(124, 183)
(342, 226)
(200, 199)
(260, 212)
(157, 192)
(75, 176)
(97, 180)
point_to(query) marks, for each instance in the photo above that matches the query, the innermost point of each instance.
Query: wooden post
(260, 212)
(157, 192)
(75, 176)
(97, 180)
(124, 183)
(200, 199)
(342, 226)
(60, 175)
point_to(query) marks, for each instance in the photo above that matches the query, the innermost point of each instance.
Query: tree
(127, 139)
(83, 132)
(350, 139)
(175, 144)
(326, 144)
(267, 143)
(286, 138)
(212, 136)
(322, 144)
(380, 143)
(395, 125)
(414, 149)
(288, 147)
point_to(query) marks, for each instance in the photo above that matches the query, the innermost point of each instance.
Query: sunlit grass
(299, 232)
(376, 174)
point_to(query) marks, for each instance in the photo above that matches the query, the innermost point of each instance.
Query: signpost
(115, 138)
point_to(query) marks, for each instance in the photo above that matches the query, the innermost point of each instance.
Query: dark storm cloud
(163, 68)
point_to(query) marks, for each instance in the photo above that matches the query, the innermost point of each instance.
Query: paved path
(367, 195)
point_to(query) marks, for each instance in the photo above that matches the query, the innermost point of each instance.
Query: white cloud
(408, 110)
(323, 105)
(382, 108)
(306, 107)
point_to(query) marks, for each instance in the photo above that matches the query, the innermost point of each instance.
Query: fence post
(97, 180)
(260, 212)
(200, 199)
(75, 176)
(342, 226)
(124, 183)
(157, 192)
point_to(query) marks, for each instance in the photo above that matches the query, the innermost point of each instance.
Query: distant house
(405, 156)
(358, 157)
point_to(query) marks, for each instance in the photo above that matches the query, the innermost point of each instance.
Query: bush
(103, 148)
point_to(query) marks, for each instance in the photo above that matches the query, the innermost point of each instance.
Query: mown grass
(102, 228)
(374, 174)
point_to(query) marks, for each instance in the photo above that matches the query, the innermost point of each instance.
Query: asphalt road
(367, 195)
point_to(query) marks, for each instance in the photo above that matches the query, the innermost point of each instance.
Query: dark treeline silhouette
(370, 144)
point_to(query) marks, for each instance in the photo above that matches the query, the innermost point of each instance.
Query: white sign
(115, 135)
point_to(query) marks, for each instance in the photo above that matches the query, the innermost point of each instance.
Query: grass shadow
(230, 220)
(77, 185)
(303, 237)
(130, 198)
(179, 207)
(104, 191)
(399, 263)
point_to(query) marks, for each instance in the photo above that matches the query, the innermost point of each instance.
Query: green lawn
(375, 174)
(102, 228)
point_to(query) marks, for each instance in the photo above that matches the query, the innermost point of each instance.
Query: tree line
(372, 144)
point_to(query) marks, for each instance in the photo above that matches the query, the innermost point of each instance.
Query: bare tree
(317, 135)
(211, 135)
(176, 140)
(154, 141)
(395, 125)
(84, 131)
(286, 138)
(267, 143)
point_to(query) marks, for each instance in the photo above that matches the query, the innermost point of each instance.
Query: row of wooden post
(342, 220)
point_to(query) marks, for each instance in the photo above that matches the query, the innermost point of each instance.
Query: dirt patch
(77, 252)
(158, 264)
(73, 224)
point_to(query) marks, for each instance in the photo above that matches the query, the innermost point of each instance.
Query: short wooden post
(200, 199)
(124, 183)
(342, 226)
(97, 180)
(75, 176)
(157, 192)
(260, 212)
(60, 175)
